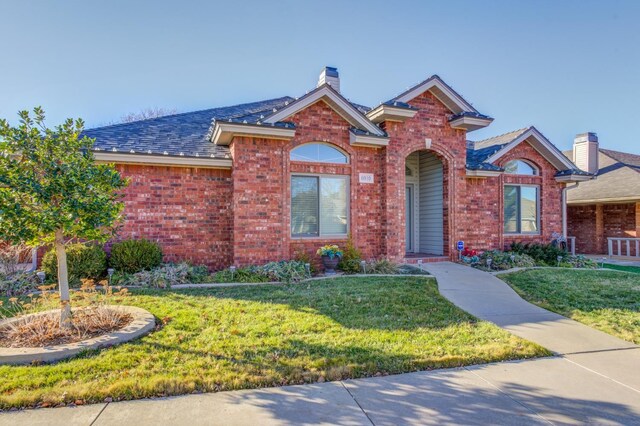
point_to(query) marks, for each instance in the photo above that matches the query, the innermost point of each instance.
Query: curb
(143, 322)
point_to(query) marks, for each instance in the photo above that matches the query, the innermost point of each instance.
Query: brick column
(638, 219)
(258, 201)
(601, 241)
(394, 203)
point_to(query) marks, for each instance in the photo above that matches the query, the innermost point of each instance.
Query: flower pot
(330, 264)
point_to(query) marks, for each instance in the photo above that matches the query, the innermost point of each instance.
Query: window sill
(321, 237)
(525, 234)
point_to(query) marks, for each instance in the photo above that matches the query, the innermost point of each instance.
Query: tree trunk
(63, 280)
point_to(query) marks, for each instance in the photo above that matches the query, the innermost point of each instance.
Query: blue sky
(564, 66)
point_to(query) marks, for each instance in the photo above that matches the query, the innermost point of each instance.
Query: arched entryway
(424, 205)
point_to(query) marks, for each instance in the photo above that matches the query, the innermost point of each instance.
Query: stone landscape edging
(526, 268)
(143, 322)
(331, 277)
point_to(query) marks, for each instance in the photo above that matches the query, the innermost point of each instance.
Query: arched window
(519, 167)
(318, 152)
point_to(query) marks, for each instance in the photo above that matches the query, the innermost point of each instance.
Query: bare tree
(146, 114)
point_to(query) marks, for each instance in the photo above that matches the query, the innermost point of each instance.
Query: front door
(408, 212)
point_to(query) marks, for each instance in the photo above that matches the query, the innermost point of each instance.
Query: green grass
(236, 338)
(624, 268)
(606, 300)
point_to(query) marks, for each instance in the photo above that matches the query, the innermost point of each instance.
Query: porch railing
(617, 244)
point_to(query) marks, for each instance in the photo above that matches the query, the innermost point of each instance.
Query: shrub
(542, 254)
(381, 266)
(578, 261)
(131, 256)
(283, 271)
(17, 283)
(248, 274)
(304, 257)
(83, 261)
(351, 258)
(164, 276)
(501, 260)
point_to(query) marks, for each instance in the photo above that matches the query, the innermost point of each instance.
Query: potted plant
(331, 255)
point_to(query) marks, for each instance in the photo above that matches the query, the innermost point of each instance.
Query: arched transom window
(319, 153)
(519, 167)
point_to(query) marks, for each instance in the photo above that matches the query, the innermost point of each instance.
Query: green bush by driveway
(83, 261)
(272, 335)
(606, 300)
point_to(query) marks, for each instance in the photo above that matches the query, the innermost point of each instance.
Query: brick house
(608, 207)
(261, 181)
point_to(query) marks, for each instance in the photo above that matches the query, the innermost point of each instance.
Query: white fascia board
(470, 123)
(573, 178)
(617, 200)
(452, 100)
(162, 160)
(368, 141)
(390, 113)
(335, 101)
(543, 146)
(224, 132)
(483, 173)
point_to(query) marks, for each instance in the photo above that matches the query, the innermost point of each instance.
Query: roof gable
(537, 140)
(441, 90)
(335, 100)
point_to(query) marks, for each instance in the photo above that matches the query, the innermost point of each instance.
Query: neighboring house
(261, 181)
(608, 206)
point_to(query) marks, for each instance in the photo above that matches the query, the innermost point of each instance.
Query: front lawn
(606, 300)
(248, 337)
(625, 268)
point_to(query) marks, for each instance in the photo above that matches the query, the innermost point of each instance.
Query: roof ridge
(190, 112)
(619, 152)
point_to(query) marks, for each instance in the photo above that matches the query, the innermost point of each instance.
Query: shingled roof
(183, 134)
(617, 180)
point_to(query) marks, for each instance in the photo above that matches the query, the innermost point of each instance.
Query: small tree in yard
(53, 192)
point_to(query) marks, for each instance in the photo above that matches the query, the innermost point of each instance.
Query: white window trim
(536, 169)
(329, 144)
(347, 178)
(538, 216)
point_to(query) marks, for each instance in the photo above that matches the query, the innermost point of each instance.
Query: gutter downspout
(564, 208)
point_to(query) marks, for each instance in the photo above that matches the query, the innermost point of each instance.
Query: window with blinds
(319, 205)
(521, 211)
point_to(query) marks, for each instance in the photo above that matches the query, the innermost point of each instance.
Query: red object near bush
(467, 252)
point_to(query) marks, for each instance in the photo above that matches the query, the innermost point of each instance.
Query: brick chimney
(585, 152)
(330, 76)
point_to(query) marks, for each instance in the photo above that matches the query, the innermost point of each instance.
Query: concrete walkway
(594, 379)
(487, 297)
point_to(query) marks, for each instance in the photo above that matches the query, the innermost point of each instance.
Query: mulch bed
(42, 330)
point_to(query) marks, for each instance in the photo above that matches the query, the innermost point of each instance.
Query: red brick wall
(186, 210)
(449, 145)
(262, 190)
(243, 216)
(581, 223)
(593, 224)
(550, 194)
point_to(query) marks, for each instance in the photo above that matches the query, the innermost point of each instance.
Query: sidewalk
(594, 379)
